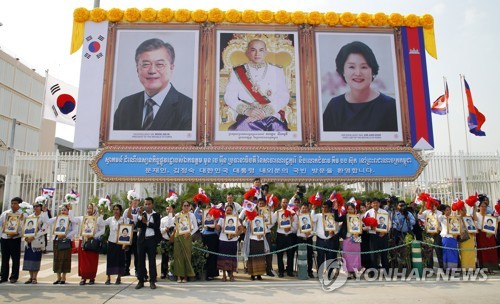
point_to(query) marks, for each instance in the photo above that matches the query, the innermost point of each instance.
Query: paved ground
(270, 290)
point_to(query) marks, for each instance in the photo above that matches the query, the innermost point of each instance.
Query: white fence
(445, 177)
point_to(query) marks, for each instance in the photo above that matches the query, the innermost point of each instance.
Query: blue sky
(467, 38)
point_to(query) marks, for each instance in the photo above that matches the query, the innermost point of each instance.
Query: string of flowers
(347, 19)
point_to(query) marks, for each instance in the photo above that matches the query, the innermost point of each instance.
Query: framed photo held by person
(61, 224)
(88, 227)
(124, 236)
(431, 224)
(30, 226)
(454, 225)
(283, 220)
(490, 224)
(11, 224)
(208, 219)
(354, 224)
(305, 223)
(328, 222)
(230, 224)
(383, 222)
(470, 225)
(183, 224)
(258, 227)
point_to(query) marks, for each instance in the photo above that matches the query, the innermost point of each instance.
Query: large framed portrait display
(359, 99)
(153, 90)
(257, 96)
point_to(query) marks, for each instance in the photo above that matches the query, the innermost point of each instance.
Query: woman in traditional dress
(253, 245)
(88, 260)
(352, 242)
(487, 258)
(228, 245)
(183, 244)
(450, 243)
(62, 257)
(34, 246)
(115, 262)
(211, 240)
(467, 248)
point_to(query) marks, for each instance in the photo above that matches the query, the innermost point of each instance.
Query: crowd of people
(362, 232)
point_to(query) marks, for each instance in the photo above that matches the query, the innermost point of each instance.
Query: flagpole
(462, 77)
(449, 141)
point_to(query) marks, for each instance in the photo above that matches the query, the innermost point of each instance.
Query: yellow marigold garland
(379, 19)
(98, 14)
(81, 14)
(427, 21)
(315, 18)
(215, 15)
(182, 15)
(412, 20)
(363, 19)
(132, 14)
(396, 19)
(232, 16)
(165, 15)
(115, 15)
(331, 18)
(249, 16)
(282, 17)
(199, 15)
(148, 14)
(265, 16)
(298, 17)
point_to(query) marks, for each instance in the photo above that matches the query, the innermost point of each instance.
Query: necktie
(148, 118)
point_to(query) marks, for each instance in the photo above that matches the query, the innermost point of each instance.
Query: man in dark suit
(148, 221)
(160, 106)
(258, 226)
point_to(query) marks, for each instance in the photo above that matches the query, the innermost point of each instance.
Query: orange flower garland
(315, 18)
(98, 15)
(265, 16)
(165, 15)
(81, 14)
(115, 15)
(215, 15)
(282, 17)
(148, 14)
(182, 15)
(132, 14)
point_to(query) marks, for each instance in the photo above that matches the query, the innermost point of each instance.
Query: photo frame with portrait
(230, 224)
(431, 224)
(454, 225)
(354, 224)
(470, 224)
(275, 87)
(333, 89)
(11, 224)
(328, 222)
(61, 225)
(490, 224)
(88, 227)
(208, 220)
(383, 222)
(305, 223)
(176, 118)
(124, 234)
(258, 227)
(30, 228)
(183, 224)
(265, 212)
(284, 221)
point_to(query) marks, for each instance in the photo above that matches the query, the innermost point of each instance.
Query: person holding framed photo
(88, 260)
(166, 229)
(211, 240)
(467, 252)
(115, 258)
(255, 243)
(378, 240)
(450, 243)
(160, 106)
(361, 108)
(266, 212)
(429, 213)
(351, 246)
(134, 200)
(11, 243)
(230, 229)
(63, 234)
(487, 257)
(186, 226)
(305, 234)
(324, 239)
(35, 244)
(285, 238)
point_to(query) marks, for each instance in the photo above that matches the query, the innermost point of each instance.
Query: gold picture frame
(258, 226)
(283, 221)
(30, 228)
(354, 224)
(89, 225)
(329, 222)
(454, 225)
(305, 223)
(124, 235)
(11, 224)
(183, 224)
(230, 224)
(61, 224)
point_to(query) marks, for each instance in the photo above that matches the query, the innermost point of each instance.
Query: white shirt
(223, 236)
(72, 228)
(149, 231)
(19, 228)
(165, 223)
(113, 227)
(320, 227)
(372, 213)
(436, 214)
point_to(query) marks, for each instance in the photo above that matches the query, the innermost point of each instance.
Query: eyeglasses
(146, 65)
(185, 205)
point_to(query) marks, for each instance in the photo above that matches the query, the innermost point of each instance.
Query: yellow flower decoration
(132, 14)
(331, 18)
(148, 14)
(81, 14)
(282, 17)
(396, 19)
(347, 18)
(165, 15)
(314, 18)
(427, 21)
(249, 16)
(199, 16)
(265, 16)
(182, 15)
(412, 20)
(379, 19)
(98, 14)
(363, 19)
(298, 17)
(115, 15)
(215, 15)
(233, 16)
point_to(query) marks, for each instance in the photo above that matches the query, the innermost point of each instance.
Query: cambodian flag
(48, 192)
(440, 106)
(476, 119)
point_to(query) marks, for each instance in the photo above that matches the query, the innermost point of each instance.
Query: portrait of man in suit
(305, 223)
(61, 226)
(258, 226)
(159, 106)
(470, 224)
(381, 223)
